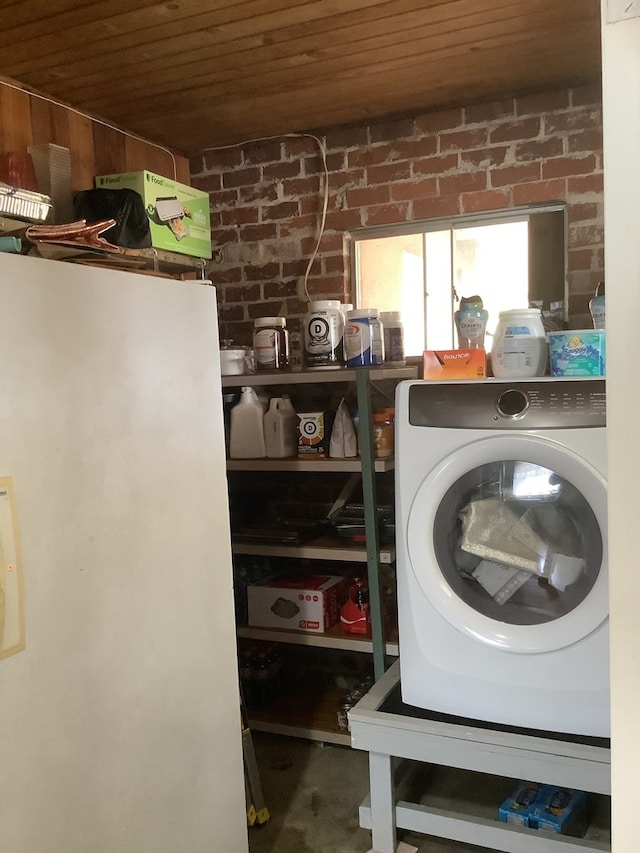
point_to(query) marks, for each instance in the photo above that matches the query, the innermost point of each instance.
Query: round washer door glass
(517, 550)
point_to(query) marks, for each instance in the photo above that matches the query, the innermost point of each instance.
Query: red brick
(398, 171)
(291, 269)
(260, 193)
(351, 178)
(365, 196)
(583, 118)
(409, 149)
(278, 290)
(429, 208)
(331, 242)
(585, 140)
(277, 171)
(485, 157)
(301, 223)
(586, 235)
(298, 147)
(224, 158)
(344, 220)
(241, 178)
(542, 102)
(239, 216)
(523, 173)
(586, 95)
(463, 183)
(224, 237)
(331, 285)
(333, 263)
(347, 137)
(539, 149)
(262, 152)
(372, 156)
(564, 166)
(435, 165)
(207, 183)
(315, 166)
(284, 210)
(463, 139)
(301, 186)
(580, 259)
(223, 199)
(262, 273)
(311, 205)
(439, 121)
(230, 275)
(539, 191)
(386, 213)
(586, 184)
(235, 312)
(477, 113)
(524, 128)
(414, 189)
(382, 131)
(487, 200)
(253, 233)
(582, 212)
(245, 293)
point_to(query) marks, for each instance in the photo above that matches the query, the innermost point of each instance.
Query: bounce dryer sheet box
(179, 219)
(301, 602)
(455, 364)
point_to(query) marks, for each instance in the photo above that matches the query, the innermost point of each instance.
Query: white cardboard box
(301, 602)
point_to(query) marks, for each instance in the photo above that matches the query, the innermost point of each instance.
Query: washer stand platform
(389, 730)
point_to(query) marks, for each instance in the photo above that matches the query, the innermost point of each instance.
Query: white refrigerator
(119, 711)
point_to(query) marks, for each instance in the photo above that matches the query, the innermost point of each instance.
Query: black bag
(125, 206)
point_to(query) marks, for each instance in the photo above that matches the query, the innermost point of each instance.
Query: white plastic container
(363, 342)
(393, 333)
(519, 347)
(323, 330)
(280, 429)
(246, 439)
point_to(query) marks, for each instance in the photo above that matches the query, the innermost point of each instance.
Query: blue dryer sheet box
(548, 808)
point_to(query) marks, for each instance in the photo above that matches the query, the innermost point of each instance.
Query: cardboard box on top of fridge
(179, 219)
(455, 364)
(301, 602)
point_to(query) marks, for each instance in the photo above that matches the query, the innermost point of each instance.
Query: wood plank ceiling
(190, 74)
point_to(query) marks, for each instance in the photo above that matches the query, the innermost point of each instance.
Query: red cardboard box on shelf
(301, 602)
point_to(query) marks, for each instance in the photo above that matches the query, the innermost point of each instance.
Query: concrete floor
(313, 793)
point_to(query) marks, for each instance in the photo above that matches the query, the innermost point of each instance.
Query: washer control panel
(517, 405)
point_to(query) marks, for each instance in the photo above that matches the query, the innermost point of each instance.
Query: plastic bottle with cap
(597, 307)
(246, 439)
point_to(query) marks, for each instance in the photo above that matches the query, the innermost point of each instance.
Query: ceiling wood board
(193, 74)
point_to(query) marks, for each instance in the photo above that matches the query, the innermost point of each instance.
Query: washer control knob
(512, 403)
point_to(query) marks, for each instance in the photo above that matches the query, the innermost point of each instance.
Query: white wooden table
(389, 736)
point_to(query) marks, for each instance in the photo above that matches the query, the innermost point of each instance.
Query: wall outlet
(621, 10)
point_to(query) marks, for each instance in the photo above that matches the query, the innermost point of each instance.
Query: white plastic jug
(280, 429)
(246, 439)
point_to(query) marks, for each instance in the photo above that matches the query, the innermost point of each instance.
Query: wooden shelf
(324, 548)
(308, 710)
(334, 638)
(318, 466)
(305, 377)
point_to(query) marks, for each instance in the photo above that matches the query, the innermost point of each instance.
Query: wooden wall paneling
(81, 145)
(49, 123)
(15, 120)
(145, 155)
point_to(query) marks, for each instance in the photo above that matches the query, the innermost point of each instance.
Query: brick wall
(266, 197)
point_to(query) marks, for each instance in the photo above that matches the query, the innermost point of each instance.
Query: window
(511, 259)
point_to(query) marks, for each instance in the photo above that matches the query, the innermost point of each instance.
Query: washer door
(507, 540)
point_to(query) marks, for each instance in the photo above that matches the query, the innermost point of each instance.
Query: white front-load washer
(501, 527)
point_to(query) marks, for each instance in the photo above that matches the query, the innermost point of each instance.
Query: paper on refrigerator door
(12, 635)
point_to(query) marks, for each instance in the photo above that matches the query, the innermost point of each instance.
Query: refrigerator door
(120, 720)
